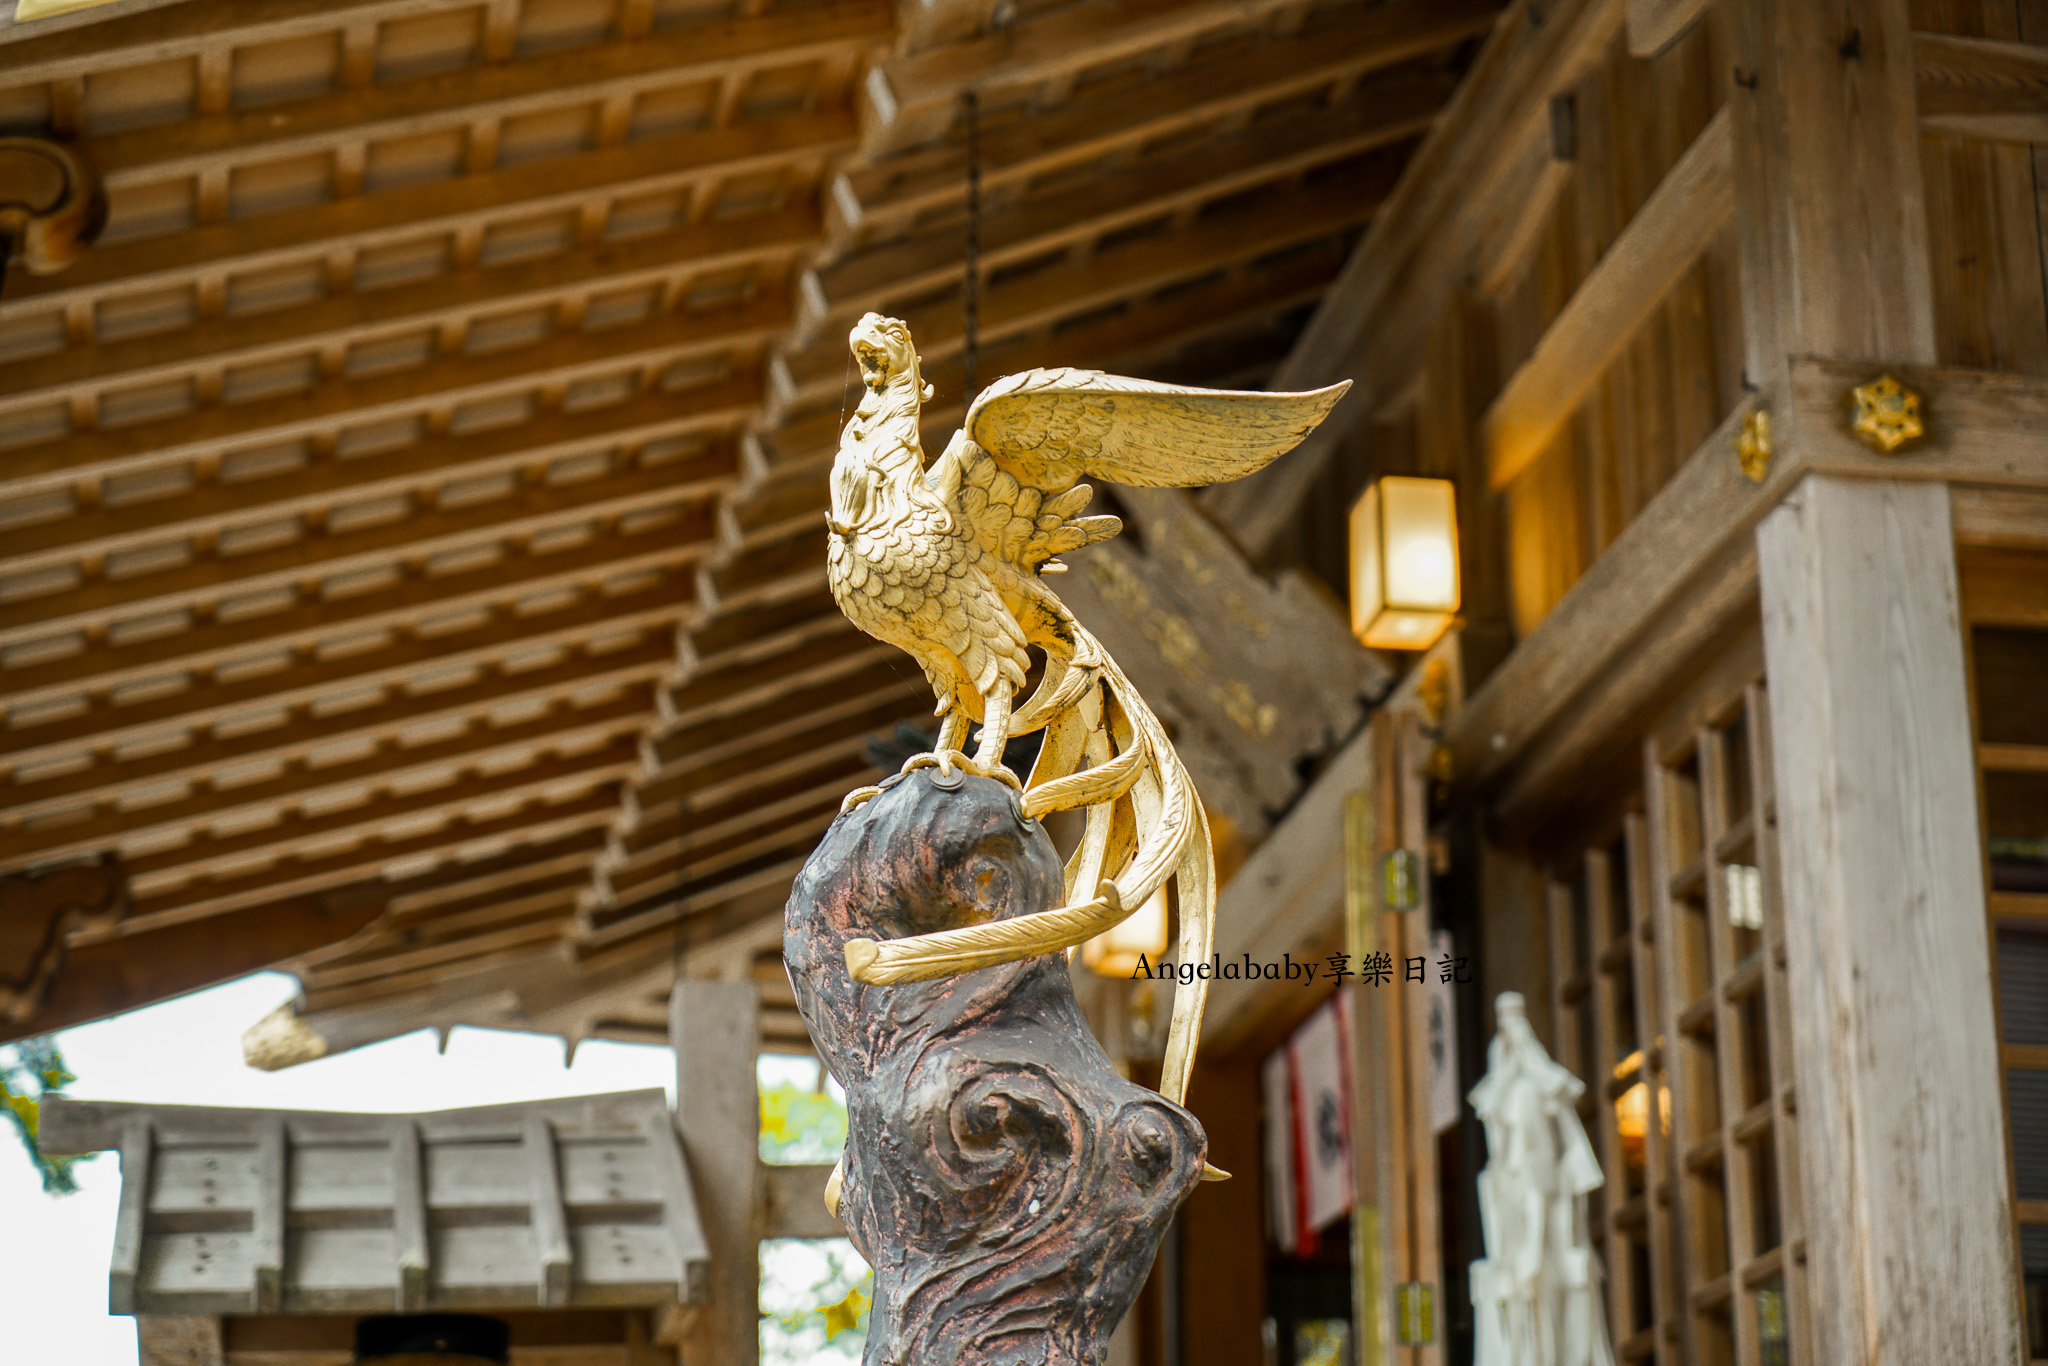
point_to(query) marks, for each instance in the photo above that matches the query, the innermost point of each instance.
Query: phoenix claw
(946, 760)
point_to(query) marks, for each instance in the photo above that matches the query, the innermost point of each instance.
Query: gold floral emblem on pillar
(1887, 414)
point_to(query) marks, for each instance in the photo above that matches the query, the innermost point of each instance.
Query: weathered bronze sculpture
(1009, 1188)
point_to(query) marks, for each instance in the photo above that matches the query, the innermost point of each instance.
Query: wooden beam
(1899, 1082)
(1680, 219)
(101, 726)
(138, 1153)
(1707, 617)
(863, 716)
(523, 571)
(209, 854)
(723, 638)
(114, 975)
(747, 912)
(1287, 900)
(1508, 244)
(2000, 518)
(411, 1248)
(418, 470)
(1043, 46)
(878, 198)
(1129, 338)
(489, 91)
(747, 847)
(531, 508)
(1984, 427)
(665, 906)
(1828, 135)
(726, 747)
(446, 301)
(789, 813)
(560, 361)
(377, 726)
(453, 886)
(714, 1028)
(24, 19)
(490, 991)
(1654, 25)
(536, 821)
(267, 1217)
(720, 694)
(550, 1220)
(299, 784)
(916, 95)
(665, 163)
(1685, 568)
(1211, 170)
(131, 38)
(381, 958)
(703, 818)
(1127, 270)
(1981, 87)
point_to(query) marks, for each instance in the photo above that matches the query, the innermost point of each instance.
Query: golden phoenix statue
(946, 562)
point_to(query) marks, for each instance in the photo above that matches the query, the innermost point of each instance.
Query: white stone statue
(1536, 1293)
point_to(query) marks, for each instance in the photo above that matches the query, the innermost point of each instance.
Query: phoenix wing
(1014, 471)
(1049, 429)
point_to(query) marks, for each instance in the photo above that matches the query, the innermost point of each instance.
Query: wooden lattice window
(1666, 926)
(2005, 602)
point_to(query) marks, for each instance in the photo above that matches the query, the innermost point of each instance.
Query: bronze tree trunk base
(1009, 1188)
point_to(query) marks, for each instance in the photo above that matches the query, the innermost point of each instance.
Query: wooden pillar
(715, 1028)
(1908, 1216)
(1832, 220)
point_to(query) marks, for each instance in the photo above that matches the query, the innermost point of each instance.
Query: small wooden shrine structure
(247, 1234)
(224, 1211)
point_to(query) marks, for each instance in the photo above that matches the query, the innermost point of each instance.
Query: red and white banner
(1322, 1118)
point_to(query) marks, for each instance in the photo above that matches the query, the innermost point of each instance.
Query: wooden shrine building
(411, 576)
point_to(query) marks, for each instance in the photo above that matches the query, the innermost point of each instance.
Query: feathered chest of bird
(892, 538)
(946, 559)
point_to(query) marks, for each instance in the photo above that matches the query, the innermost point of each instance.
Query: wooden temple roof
(411, 568)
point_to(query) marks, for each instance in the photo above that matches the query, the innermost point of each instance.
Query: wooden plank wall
(1986, 228)
(1671, 383)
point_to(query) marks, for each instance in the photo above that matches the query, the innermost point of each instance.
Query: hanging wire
(971, 351)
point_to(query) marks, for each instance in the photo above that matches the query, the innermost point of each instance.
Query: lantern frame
(1405, 581)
